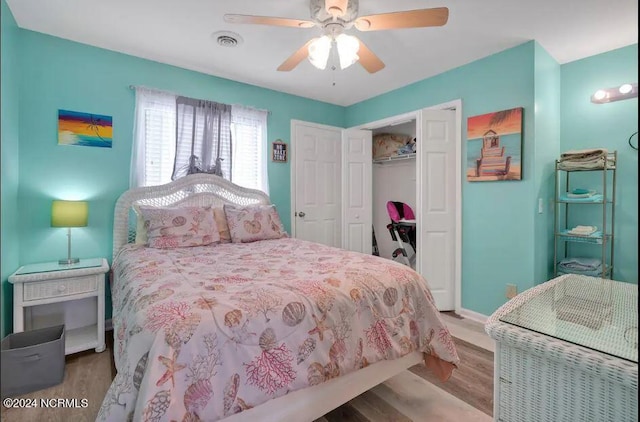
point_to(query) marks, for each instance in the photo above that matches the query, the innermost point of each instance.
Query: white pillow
(141, 232)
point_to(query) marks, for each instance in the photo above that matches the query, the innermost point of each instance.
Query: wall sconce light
(622, 92)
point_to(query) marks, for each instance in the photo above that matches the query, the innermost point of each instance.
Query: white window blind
(154, 138)
(249, 148)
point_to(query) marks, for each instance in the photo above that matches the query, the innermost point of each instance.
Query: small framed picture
(279, 152)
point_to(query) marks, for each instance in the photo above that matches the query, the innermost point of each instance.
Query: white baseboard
(473, 315)
(108, 325)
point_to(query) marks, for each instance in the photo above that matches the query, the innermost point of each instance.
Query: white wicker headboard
(195, 189)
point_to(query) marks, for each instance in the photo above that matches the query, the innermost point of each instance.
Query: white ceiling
(180, 33)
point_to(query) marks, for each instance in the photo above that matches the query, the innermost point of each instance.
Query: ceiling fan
(335, 17)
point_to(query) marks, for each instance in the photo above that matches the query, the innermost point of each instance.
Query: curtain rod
(133, 87)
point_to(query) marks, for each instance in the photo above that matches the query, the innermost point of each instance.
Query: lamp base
(68, 261)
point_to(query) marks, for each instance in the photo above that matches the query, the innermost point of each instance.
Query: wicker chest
(567, 350)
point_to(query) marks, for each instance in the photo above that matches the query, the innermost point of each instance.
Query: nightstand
(49, 294)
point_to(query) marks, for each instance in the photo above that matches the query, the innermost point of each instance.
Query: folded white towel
(585, 227)
(583, 230)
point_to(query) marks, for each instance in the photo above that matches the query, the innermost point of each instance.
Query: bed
(269, 330)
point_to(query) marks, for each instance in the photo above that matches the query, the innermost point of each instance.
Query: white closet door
(437, 196)
(316, 183)
(357, 217)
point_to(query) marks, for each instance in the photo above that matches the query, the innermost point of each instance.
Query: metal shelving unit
(564, 204)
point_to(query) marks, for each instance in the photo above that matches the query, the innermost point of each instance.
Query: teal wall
(505, 240)
(9, 153)
(59, 74)
(588, 125)
(497, 217)
(547, 149)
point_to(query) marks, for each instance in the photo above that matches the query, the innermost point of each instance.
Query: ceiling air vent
(227, 39)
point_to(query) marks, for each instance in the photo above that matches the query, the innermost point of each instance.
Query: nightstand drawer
(63, 287)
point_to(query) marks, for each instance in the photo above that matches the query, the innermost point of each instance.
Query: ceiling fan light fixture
(319, 50)
(334, 17)
(347, 50)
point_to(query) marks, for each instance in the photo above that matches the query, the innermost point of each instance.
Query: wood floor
(472, 383)
(87, 375)
(407, 397)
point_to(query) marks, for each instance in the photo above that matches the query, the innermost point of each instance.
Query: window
(154, 146)
(249, 148)
(155, 138)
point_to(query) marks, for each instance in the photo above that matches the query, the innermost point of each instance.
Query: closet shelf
(395, 158)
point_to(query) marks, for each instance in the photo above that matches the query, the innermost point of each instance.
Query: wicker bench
(549, 367)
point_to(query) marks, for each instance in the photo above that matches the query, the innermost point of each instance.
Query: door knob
(301, 214)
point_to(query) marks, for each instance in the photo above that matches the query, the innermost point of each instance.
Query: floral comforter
(202, 333)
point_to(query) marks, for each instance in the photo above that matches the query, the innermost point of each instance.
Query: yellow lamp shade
(69, 213)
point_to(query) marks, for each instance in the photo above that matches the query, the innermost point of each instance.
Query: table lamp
(69, 214)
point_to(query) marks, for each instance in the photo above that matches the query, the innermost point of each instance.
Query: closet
(340, 186)
(393, 179)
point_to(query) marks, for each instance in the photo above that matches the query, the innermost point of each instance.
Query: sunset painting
(84, 129)
(494, 149)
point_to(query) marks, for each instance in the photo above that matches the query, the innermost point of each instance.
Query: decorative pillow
(387, 144)
(221, 221)
(175, 227)
(254, 222)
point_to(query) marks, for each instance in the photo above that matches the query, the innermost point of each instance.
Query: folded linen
(583, 154)
(580, 264)
(587, 165)
(581, 194)
(591, 273)
(580, 191)
(586, 159)
(583, 230)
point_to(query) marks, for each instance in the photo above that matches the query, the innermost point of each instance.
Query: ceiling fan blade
(409, 19)
(295, 59)
(368, 59)
(268, 20)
